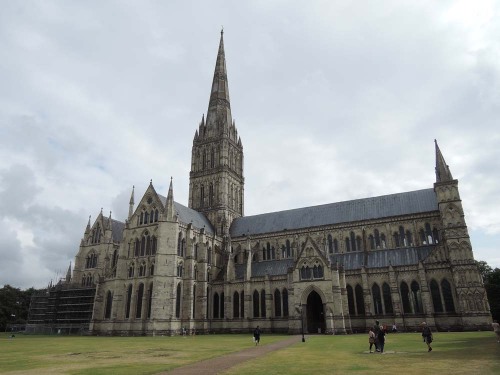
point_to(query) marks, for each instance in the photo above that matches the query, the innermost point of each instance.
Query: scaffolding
(61, 309)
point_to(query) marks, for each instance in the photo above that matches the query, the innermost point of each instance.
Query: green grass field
(454, 353)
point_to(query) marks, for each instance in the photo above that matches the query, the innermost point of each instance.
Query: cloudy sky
(333, 100)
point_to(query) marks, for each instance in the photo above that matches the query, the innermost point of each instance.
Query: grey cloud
(332, 101)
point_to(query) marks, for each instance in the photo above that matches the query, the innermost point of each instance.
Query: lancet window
(91, 260)
(145, 246)
(96, 234)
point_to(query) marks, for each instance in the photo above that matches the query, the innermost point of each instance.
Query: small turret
(109, 221)
(68, 274)
(131, 204)
(170, 202)
(443, 173)
(87, 230)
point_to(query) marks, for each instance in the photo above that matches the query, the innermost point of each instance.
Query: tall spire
(443, 173)
(219, 107)
(216, 182)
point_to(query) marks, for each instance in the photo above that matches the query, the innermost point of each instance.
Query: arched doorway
(315, 314)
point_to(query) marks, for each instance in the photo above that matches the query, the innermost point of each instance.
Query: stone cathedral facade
(402, 258)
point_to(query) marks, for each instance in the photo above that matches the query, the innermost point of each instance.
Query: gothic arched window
(178, 297)
(150, 300)
(435, 235)
(131, 270)
(447, 296)
(377, 239)
(277, 302)
(210, 194)
(154, 244)
(417, 300)
(360, 302)
(428, 234)
(285, 302)
(255, 300)
(109, 303)
(236, 305)
(330, 244)
(242, 304)
(350, 300)
(129, 301)
(377, 299)
(386, 292)
(140, 294)
(222, 305)
(436, 296)
(405, 296)
(353, 242)
(216, 305)
(262, 304)
(152, 269)
(193, 309)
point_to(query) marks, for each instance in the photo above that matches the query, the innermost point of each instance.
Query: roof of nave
(187, 215)
(350, 261)
(382, 258)
(116, 228)
(271, 268)
(335, 213)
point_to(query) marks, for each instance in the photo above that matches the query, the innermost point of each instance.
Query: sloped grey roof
(334, 213)
(383, 258)
(268, 267)
(188, 215)
(117, 230)
(240, 270)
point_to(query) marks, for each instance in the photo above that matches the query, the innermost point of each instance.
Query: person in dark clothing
(381, 340)
(427, 335)
(376, 330)
(256, 335)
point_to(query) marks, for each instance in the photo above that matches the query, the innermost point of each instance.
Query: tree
(484, 269)
(14, 306)
(491, 279)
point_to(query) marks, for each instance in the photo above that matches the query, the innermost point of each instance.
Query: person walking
(496, 329)
(371, 339)
(427, 335)
(256, 335)
(376, 330)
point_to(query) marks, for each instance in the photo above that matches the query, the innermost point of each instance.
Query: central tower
(216, 178)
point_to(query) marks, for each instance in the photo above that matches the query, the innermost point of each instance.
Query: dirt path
(220, 364)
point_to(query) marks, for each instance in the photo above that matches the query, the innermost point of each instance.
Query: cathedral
(335, 268)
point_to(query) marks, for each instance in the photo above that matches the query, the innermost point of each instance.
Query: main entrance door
(315, 314)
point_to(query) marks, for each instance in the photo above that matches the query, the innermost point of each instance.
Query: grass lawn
(454, 353)
(406, 353)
